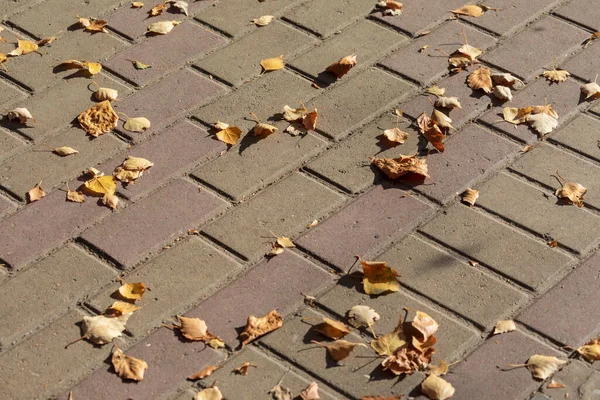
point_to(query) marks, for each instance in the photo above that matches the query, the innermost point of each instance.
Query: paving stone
(575, 292)
(165, 53)
(430, 65)
(583, 63)
(539, 164)
(364, 226)
(341, 109)
(580, 134)
(487, 364)
(364, 38)
(276, 283)
(40, 367)
(453, 337)
(219, 16)
(173, 152)
(353, 376)
(596, 109)
(39, 163)
(285, 208)
(430, 271)
(185, 395)
(419, 16)
(565, 99)
(347, 164)
(574, 376)
(12, 6)
(326, 17)
(42, 292)
(170, 361)
(6, 206)
(194, 269)
(240, 61)
(540, 212)
(472, 234)
(270, 92)
(39, 72)
(261, 379)
(188, 206)
(580, 11)
(55, 221)
(539, 396)
(283, 151)
(9, 94)
(8, 144)
(537, 47)
(165, 101)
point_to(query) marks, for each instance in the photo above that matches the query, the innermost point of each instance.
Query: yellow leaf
(98, 119)
(228, 134)
(136, 124)
(470, 196)
(65, 151)
(396, 167)
(504, 326)
(387, 344)
(262, 129)
(436, 90)
(343, 66)
(272, 64)
(264, 20)
(436, 388)
(591, 350)
(92, 67)
(257, 327)
(105, 94)
(101, 185)
(470, 11)
(128, 367)
(137, 4)
(93, 25)
(132, 291)
(162, 27)
(119, 308)
(36, 193)
(158, 9)
(24, 47)
(332, 329)
(555, 75)
(481, 78)
(379, 278)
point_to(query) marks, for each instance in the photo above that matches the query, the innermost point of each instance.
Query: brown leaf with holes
(204, 373)
(332, 329)
(36, 193)
(339, 349)
(98, 119)
(432, 132)
(556, 75)
(93, 25)
(481, 78)
(395, 168)
(470, 196)
(243, 369)
(572, 192)
(343, 66)
(128, 367)
(257, 327)
(132, 291)
(379, 278)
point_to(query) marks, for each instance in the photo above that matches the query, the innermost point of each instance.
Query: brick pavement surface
(196, 228)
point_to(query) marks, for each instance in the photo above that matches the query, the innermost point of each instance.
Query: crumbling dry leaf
(310, 120)
(362, 316)
(503, 93)
(243, 369)
(555, 75)
(263, 20)
(126, 176)
(432, 132)
(111, 201)
(311, 392)
(101, 329)
(343, 66)
(227, 133)
(280, 392)
(395, 168)
(20, 114)
(136, 124)
(390, 7)
(24, 47)
(436, 388)
(448, 102)
(505, 79)
(128, 367)
(36, 193)
(387, 344)
(76, 197)
(379, 278)
(162, 27)
(204, 373)
(294, 114)
(93, 25)
(470, 196)
(98, 119)
(504, 326)
(516, 116)
(272, 64)
(572, 192)
(211, 393)
(332, 329)
(65, 151)
(101, 185)
(257, 327)
(339, 349)
(395, 135)
(481, 78)
(132, 291)
(591, 350)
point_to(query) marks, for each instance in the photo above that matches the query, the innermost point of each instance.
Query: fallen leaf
(332, 329)
(228, 134)
(589, 40)
(441, 119)
(93, 172)
(505, 79)
(310, 120)
(432, 132)
(503, 93)
(36, 193)
(132, 291)
(195, 329)
(423, 48)
(294, 114)
(76, 197)
(101, 329)
(591, 89)
(470, 196)
(257, 327)
(119, 308)
(162, 27)
(65, 151)
(591, 350)
(339, 349)
(204, 373)
(391, 7)
(396, 167)
(126, 176)
(542, 122)
(472, 10)
(362, 316)
(556, 385)
(128, 367)
(448, 102)
(504, 326)
(395, 135)
(211, 393)
(343, 66)
(555, 75)
(552, 243)
(439, 370)
(101, 185)
(425, 325)
(111, 201)
(139, 64)
(264, 20)
(280, 393)
(98, 119)
(136, 124)
(243, 369)
(481, 78)
(262, 129)
(24, 47)
(182, 6)
(379, 278)
(158, 9)
(105, 94)
(516, 116)
(20, 114)
(525, 149)
(46, 41)
(541, 367)
(272, 64)
(93, 25)
(311, 392)
(91, 67)
(387, 344)
(275, 251)
(437, 91)
(436, 388)
(572, 192)
(137, 4)
(464, 56)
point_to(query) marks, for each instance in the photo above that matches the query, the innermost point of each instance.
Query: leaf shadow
(325, 79)
(248, 140)
(12, 125)
(311, 335)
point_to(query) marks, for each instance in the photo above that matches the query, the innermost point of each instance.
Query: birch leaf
(264, 20)
(136, 124)
(272, 64)
(162, 27)
(36, 193)
(437, 388)
(128, 367)
(343, 66)
(481, 78)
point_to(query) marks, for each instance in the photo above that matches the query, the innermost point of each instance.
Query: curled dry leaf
(65, 151)
(390, 7)
(227, 133)
(162, 27)
(588, 41)
(591, 90)
(362, 316)
(93, 25)
(20, 114)
(432, 132)
(425, 326)
(396, 167)
(24, 47)
(472, 10)
(136, 164)
(332, 329)
(243, 369)
(572, 192)
(158, 9)
(516, 116)
(310, 120)
(541, 367)
(556, 75)
(294, 114)
(197, 330)
(204, 373)
(343, 66)
(387, 344)
(262, 129)
(46, 41)
(111, 201)
(439, 370)
(504, 326)
(591, 350)
(311, 392)
(182, 6)
(36, 193)
(136, 124)
(556, 385)
(395, 135)
(126, 176)
(76, 197)
(128, 367)
(436, 388)
(379, 278)
(505, 79)
(272, 64)
(211, 393)
(137, 4)
(441, 119)
(503, 93)
(132, 291)
(464, 56)
(257, 327)
(101, 329)
(448, 102)
(101, 185)
(139, 65)
(481, 78)
(470, 196)
(263, 20)
(339, 349)
(98, 119)
(119, 308)
(436, 90)
(543, 119)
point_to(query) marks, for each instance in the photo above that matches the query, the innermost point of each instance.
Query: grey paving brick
(580, 134)
(341, 109)
(284, 152)
(483, 239)
(193, 268)
(240, 61)
(165, 53)
(188, 206)
(285, 208)
(575, 292)
(12, 6)
(488, 364)
(42, 292)
(276, 283)
(41, 367)
(325, 17)
(184, 394)
(584, 64)
(10, 94)
(576, 376)
(364, 226)
(539, 211)
(430, 271)
(537, 46)
(596, 109)
(24, 171)
(365, 38)
(580, 11)
(430, 65)
(8, 144)
(354, 375)
(167, 100)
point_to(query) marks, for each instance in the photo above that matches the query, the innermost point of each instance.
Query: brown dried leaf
(339, 349)
(425, 325)
(137, 4)
(556, 385)
(204, 373)
(591, 89)
(591, 350)
(310, 120)
(343, 66)
(126, 176)
(76, 197)
(439, 370)
(119, 308)
(391, 7)
(262, 129)
(158, 9)
(505, 79)
(272, 64)
(65, 151)
(470, 11)
(470, 52)
(195, 329)
(98, 119)
(111, 201)
(379, 278)
(481, 78)
(257, 327)
(24, 47)
(136, 164)
(573, 192)
(396, 167)
(93, 25)
(132, 291)
(504, 326)
(448, 102)
(46, 41)
(432, 132)
(243, 369)
(21, 114)
(516, 116)
(105, 94)
(162, 27)
(211, 393)
(36, 193)
(332, 329)
(470, 196)
(263, 20)
(387, 344)
(556, 75)
(542, 367)
(311, 392)
(436, 388)
(228, 134)
(395, 135)
(128, 367)
(294, 114)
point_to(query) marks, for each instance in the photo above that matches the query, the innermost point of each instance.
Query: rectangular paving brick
(9, 144)
(580, 11)
(430, 271)
(173, 152)
(285, 208)
(24, 171)
(42, 292)
(193, 269)
(6, 206)
(565, 99)
(575, 292)
(356, 376)
(165, 53)
(430, 65)
(153, 222)
(240, 61)
(581, 134)
(583, 64)
(483, 239)
(284, 152)
(580, 380)
(165, 101)
(365, 38)
(170, 361)
(364, 95)
(538, 45)
(489, 363)
(325, 17)
(364, 226)
(265, 96)
(9, 94)
(539, 211)
(276, 283)
(41, 367)
(55, 221)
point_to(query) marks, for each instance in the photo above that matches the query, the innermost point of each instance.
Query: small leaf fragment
(556, 385)
(339, 349)
(470, 10)
(390, 7)
(75, 197)
(263, 20)
(243, 369)
(439, 370)
(137, 4)
(65, 151)
(257, 327)
(504, 326)
(158, 9)
(36, 193)
(506, 79)
(470, 196)
(437, 91)
(128, 367)
(436, 388)
(204, 373)
(432, 132)
(343, 66)
(379, 278)
(140, 65)
(311, 392)
(136, 124)
(272, 64)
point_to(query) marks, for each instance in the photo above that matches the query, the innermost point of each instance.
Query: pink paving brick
(131, 235)
(363, 227)
(6, 206)
(165, 53)
(165, 101)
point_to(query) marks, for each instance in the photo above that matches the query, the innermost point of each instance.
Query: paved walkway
(195, 229)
